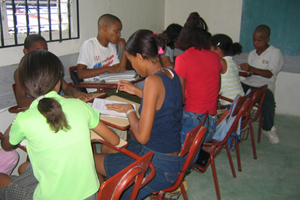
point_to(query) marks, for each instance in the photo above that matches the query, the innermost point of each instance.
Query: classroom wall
(134, 15)
(225, 17)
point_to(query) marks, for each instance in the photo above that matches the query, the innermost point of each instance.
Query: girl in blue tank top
(158, 128)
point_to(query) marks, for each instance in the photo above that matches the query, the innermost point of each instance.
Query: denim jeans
(190, 120)
(267, 109)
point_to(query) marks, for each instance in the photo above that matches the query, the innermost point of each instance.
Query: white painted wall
(221, 16)
(287, 94)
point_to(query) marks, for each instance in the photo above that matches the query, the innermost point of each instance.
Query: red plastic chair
(258, 102)
(215, 147)
(257, 97)
(133, 174)
(192, 143)
(121, 148)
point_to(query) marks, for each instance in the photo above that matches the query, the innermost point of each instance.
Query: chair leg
(259, 127)
(252, 140)
(214, 172)
(160, 195)
(230, 160)
(238, 156)
(183, 192)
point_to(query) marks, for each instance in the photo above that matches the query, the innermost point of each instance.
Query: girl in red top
(199, 72)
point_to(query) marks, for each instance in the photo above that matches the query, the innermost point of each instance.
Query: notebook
(129, 75)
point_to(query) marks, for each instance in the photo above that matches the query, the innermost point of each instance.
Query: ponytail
(224, 42)
(147, 43)
(52, 111)
(40, 72)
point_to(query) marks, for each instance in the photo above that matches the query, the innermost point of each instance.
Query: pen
(117, 89)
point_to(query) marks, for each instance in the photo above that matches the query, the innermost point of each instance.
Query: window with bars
(55, 20)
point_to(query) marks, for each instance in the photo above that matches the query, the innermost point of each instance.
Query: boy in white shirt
(265, 62)
(99, 54)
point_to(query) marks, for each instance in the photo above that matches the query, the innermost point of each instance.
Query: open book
(129, 75)
(99, 104)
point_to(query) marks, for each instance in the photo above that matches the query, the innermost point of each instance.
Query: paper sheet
(99, 104)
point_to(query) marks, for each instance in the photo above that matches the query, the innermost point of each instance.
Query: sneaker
(273, 137)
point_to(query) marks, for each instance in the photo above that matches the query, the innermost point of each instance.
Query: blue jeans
(267, 109)
(190, 120)
(167, 168)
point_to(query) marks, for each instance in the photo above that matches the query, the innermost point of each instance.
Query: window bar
(69, 17)
(38, 16)
(49, 20)
(15, 22)
(27, 18)
(77, 13)
(59, 19)
(1, 25)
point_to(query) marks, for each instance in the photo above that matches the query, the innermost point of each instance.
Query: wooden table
(100, 85)
(119, 122)
(17, 109)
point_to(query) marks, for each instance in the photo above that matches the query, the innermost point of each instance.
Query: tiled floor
(274, 175)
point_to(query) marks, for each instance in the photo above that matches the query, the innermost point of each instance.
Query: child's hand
(126, 86)
(122, 43)
(83, 96)
(119, 107)
(245, 66)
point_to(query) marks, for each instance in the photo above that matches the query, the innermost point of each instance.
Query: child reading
(57, 135)
(265, 62)
(158, 128)
(36, 42)
(230, 80)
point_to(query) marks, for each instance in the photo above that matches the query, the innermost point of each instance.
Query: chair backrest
(133, 174)
(191, 145)
(74, 77)
(258, 98)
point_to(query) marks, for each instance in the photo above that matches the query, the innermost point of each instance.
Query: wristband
(129, 111)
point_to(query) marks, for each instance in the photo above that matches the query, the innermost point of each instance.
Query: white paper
(99, 104)
(129, 75)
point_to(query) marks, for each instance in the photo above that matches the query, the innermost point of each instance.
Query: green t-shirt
(62, 162)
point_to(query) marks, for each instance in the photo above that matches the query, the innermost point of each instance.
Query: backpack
(226, 122)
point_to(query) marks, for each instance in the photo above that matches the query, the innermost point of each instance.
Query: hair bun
(193, 20)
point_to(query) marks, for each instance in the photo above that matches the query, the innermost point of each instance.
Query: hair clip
(218, 44)
(154, 33)
(161, 51)
(40, 97)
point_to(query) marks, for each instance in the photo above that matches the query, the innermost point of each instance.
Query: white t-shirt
(94, 55)
(271, 59)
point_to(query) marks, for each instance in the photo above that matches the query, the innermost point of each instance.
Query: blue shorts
(167, 168)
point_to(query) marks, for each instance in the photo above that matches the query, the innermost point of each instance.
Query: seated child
(230, 80)
(37, 42)
(99, 54)
(57, 137)
(158, 128)
(167, 59)
(264, 62)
